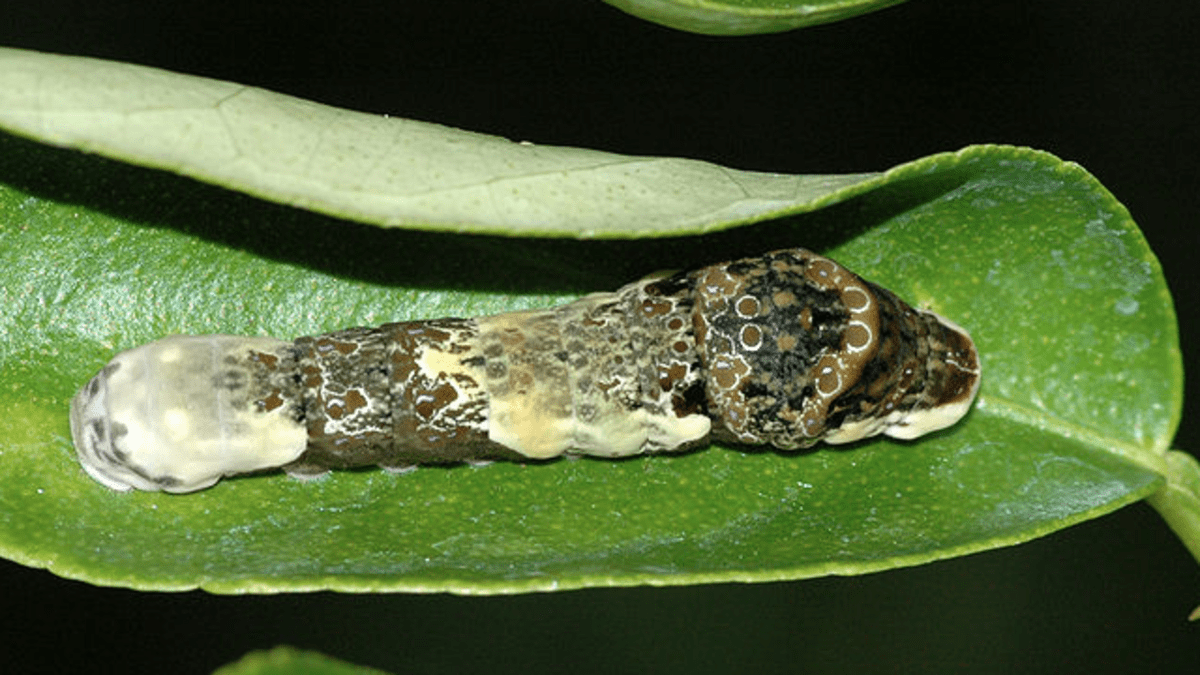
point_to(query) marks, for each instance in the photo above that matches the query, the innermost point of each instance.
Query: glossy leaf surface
(1068, 306)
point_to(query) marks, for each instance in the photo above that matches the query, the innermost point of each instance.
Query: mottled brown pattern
(785, 349)
(275, 385)
(796, 349)
(347, 407)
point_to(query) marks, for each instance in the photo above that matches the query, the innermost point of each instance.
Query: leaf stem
(1178, 502)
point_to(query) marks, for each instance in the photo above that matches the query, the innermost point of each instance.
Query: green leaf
(1081, 393)
(746, 17)
(291, 661)
(381, 170)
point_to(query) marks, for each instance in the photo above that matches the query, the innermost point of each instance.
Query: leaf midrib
(1152, 458)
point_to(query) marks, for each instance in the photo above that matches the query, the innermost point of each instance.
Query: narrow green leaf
(381, 170)
(291, 661)
(746, 17)
(1081, 394)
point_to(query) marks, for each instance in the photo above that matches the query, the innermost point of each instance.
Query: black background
(1113, 85)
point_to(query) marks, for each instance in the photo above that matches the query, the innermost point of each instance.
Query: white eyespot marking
(751, 337)
(785, 349)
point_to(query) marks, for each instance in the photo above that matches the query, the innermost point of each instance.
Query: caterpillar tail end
(92, 433)
(152, 420)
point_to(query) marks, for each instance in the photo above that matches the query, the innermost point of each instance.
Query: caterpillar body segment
(785, 349)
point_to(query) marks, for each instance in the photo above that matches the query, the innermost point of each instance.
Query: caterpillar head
(800, 349)
(930, 385)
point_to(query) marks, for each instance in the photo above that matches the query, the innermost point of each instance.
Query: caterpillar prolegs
(785, 349)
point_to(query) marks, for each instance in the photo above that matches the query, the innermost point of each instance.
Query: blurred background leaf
(746, 17)
(289, 661)
(379, 169)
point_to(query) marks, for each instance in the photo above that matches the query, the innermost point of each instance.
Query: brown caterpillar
(785, 349)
